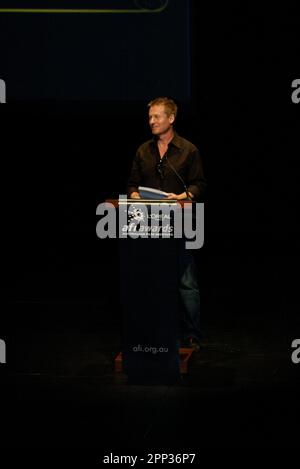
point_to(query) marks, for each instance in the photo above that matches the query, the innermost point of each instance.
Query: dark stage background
(77, 90)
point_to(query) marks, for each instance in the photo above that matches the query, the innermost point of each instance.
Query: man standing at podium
(172, 164)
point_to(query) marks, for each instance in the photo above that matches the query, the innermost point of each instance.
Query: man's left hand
(171, 195)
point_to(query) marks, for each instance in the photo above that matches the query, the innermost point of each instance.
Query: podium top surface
(173, 202)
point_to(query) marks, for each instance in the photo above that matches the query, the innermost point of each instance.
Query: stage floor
(61, 390)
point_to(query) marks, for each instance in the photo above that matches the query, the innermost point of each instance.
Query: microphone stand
(179, 177)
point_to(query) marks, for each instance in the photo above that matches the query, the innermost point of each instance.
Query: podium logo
(136, 215)
(2, 351)
(2, 91)
(154, 220)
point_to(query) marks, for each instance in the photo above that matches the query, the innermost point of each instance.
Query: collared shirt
(149, 170)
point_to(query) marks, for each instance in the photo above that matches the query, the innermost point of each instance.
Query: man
(171, 163)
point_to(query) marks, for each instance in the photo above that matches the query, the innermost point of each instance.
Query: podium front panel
(149, 272)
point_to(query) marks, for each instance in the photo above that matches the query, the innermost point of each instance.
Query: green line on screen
(78, 10)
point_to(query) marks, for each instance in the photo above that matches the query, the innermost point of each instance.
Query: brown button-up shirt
(149, 170)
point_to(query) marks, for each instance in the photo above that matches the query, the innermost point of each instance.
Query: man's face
(159, 120)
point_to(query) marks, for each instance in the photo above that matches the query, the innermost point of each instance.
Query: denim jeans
(189, 295)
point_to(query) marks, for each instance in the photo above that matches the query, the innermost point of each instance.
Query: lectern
(149, 277)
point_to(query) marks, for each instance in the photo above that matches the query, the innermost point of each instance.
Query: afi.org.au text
(145, 349)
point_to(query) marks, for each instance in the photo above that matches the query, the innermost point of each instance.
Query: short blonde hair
(170, 105)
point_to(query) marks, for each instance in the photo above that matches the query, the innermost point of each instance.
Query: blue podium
(149, 276)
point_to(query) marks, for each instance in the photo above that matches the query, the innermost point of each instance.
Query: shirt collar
(176, 141)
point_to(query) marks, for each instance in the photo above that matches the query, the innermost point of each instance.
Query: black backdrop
(65, 156)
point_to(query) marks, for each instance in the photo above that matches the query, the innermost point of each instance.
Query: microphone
(179, 177)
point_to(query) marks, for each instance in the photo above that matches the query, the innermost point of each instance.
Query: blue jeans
(189, 295)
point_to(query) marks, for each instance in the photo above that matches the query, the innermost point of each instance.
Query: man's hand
(171, 195)
(135, 195)
(181, 196)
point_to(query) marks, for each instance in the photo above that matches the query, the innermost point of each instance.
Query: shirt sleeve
(135, 177)
(196, 181)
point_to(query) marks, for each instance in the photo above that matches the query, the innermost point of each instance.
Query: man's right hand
(135, 195)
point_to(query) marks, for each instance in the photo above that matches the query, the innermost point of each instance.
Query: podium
(149, 280)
